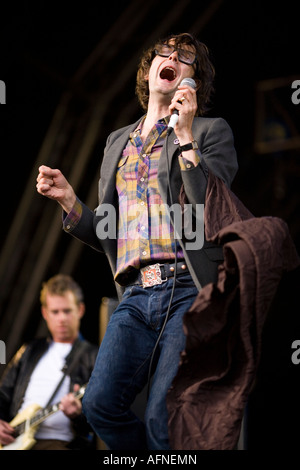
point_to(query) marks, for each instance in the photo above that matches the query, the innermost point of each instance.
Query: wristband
(191, 146)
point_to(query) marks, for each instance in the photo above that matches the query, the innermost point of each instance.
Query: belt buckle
(151, 275)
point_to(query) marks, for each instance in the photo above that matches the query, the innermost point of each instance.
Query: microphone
(174, 118)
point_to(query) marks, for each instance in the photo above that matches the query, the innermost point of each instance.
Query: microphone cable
(174, 280)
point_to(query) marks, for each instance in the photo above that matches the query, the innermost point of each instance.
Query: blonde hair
(59, 285)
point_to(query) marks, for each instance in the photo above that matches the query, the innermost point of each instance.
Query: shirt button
(144, 155)
(142, 179)
(68, 227)
(142, 227)
(142, 203)
(144, 253)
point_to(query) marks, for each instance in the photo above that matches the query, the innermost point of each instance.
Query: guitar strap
(70, 363)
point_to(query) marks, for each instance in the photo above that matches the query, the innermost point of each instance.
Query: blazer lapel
(109, 165)
(169, 159)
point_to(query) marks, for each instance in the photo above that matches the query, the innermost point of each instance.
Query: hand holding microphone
(175, 114)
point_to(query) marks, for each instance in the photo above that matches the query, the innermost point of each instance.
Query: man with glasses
(185, 56)
(158, 271)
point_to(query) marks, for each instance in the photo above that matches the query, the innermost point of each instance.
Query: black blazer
(215, 141)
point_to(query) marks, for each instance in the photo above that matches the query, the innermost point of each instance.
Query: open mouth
(168, 73)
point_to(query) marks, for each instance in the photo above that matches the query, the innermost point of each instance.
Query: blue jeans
(122, 366)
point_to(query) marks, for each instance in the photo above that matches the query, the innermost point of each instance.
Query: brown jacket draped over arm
(224, 325)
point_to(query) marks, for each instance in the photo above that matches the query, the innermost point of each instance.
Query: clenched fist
(52, 184)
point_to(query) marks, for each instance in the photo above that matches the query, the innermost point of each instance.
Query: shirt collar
(165, 121)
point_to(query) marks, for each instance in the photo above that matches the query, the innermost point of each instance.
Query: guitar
(26, 423)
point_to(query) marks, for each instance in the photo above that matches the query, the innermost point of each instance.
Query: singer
(147, 164)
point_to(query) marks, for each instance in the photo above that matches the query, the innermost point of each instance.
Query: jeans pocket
(185, 280)
(128, 292)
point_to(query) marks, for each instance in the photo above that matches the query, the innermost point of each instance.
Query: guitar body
(24, 441)
(29, 420)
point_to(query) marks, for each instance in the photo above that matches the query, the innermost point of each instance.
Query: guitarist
(61, 360)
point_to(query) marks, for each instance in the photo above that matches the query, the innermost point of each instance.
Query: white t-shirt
(42, 384)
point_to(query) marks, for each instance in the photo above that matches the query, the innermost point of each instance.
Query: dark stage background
(70, 80)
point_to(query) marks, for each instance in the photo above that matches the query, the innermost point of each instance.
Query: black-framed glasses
(184, 55)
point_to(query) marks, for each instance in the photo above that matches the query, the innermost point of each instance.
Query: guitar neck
(43, 413)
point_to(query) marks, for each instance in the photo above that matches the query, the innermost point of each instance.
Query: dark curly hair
(203, 67)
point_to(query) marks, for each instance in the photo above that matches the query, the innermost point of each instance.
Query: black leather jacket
(17, 374)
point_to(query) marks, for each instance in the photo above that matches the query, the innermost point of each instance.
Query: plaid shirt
(145, 232)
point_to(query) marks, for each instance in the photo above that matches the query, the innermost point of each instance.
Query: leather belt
(158, 273)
